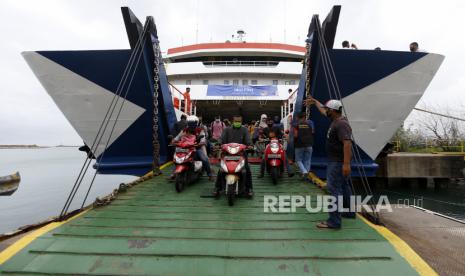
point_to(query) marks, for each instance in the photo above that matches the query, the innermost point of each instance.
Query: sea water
(47, 176)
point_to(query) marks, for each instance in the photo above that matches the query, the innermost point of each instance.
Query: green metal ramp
(152, 230)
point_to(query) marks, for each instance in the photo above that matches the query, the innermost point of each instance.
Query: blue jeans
(205, 162)
(337, 185)
(303, 158)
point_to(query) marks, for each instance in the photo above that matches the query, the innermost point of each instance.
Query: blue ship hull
(378, 89)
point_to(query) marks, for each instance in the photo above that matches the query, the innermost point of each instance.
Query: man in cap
(339, 153)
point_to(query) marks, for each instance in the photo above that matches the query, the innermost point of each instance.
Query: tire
(274, 171)
(231, 193)
(180, 178)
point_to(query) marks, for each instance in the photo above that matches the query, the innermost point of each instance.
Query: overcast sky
(28, 115)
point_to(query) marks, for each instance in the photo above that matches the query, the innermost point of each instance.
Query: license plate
(182, 150)
(274, 155)
(232, 158)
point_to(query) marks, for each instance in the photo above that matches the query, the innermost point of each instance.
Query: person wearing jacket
(236, 133)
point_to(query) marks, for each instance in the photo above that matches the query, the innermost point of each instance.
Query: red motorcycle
(187, 170)
(274, 159)
(232, 165)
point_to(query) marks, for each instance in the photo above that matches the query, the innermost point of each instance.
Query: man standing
(303, 143)
(237, 134)
(339, 153)
(187, 100)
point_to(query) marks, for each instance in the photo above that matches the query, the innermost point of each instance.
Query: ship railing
(234, 63)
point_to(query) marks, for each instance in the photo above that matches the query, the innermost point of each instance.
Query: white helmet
(192, 121)
(334, 104)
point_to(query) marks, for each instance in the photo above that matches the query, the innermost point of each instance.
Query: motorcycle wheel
(231, 193)
(274, 174)
(180, 178)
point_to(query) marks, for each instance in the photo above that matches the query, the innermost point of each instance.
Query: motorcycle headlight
(181, 159)
(240, 165)
(274, 147)
(233, 150)
(223, 166)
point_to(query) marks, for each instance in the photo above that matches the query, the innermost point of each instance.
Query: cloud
(28, 115)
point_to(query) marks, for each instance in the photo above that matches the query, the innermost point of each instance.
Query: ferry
(379, 89)
(150, 229)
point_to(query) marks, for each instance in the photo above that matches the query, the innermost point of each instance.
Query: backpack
(217, 127)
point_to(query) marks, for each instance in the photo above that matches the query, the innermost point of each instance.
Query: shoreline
(33, 147)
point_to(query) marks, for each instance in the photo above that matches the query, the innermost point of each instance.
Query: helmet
(334, 104)
(263, 116)
(192, 121)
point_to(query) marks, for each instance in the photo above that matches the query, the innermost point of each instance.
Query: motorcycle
(232, 165)
(274, 159)
(187, 169)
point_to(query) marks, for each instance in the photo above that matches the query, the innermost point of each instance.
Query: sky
(29, 116)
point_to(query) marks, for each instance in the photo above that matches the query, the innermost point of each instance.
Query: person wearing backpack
(303, 143)
(217, 128)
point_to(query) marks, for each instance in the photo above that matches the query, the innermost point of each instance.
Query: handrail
(175, 88)
(293, 92)
(240, 63)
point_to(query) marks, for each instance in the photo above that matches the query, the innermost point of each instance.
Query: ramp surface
(152, 230)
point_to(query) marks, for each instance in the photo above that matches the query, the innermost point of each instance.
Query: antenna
(240, 35)
(285, 19)
(197, 22)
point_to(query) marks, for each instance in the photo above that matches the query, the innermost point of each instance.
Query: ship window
(188, 82)
(291, 108)
(245, 82)
(275, 82)
(226, 82)
(235, 82)
(205, 82)
(253, 82)
(289, 82)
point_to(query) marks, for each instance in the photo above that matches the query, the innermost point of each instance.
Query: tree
(448, 132)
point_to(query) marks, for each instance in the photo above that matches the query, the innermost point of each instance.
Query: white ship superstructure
(235, 64)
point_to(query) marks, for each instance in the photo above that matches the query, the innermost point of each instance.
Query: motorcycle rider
(290, 173)
(193, 128)
(277, 127)
(260, 134)
(236, 133)
(261, 130)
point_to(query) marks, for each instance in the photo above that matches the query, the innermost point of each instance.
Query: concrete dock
(438, 240)
(421, 165)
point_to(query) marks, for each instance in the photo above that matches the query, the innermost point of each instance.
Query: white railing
(233, 63)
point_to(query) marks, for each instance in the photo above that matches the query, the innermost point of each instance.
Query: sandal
(325, 225)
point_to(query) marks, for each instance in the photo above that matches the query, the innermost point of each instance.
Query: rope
(335, 86)
(99, 134)
(329, 71)
(439, 114)
(114, 125)
(355, 149)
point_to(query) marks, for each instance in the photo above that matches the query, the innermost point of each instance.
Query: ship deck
(153, 230)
